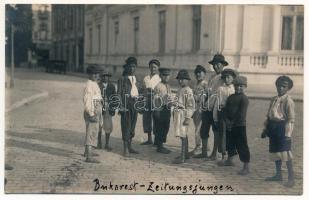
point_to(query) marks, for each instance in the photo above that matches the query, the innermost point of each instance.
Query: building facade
(260, 41)
(68, 35)
(41, 25)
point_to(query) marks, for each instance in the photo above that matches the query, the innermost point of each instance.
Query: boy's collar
(283, 96)
(228, 85)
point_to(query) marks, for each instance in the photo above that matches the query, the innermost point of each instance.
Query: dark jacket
(107, 94)
(124, 89)
(236, 109)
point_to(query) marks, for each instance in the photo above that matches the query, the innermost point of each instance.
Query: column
(244, 53)
(275, 45)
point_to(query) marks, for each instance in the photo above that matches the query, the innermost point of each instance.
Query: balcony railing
(259, 60)
(291, 60)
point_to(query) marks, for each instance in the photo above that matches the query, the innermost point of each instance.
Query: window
(99, 38)
(299, 42)
(43, 26)
(69, 15)
(81, 14)
(116, 31)
(36, 35)
(136, 33)
(292, 37)
(90, 41)
(162, 24)
(196, 31)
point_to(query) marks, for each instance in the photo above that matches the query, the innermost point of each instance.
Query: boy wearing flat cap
(199, 92)
(235, 112)
(108, 111)
(279, 128)
(224, 92)
(92, 113)
(162, 111)
(149, 83)
(218, 62)
(184, 107)
(128, 93)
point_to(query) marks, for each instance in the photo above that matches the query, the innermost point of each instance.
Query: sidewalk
(20, 95)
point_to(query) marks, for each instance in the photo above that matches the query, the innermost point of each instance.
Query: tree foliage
(20, 16)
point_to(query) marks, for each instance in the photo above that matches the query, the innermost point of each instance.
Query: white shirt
(134, 90)
(162, 92)
(199, 93)
(92, 95)
(223, 93)
(185, 101)
(152, 82)
(213, 86)
(283, 109)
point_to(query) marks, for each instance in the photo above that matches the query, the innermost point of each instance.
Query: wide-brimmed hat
(226, 72)
(154, 61)
(286, 79)
(199, 68)
(92, 69)
(104, 72)
(218, 58)
(183, 74)
(165, 71)
(240, 80)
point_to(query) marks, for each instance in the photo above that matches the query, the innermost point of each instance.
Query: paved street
(44, 143)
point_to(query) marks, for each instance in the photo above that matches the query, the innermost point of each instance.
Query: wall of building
(248, 35)
(41, 25)
(68, 35)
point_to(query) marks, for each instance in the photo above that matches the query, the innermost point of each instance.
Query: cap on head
(218, 58)
(285, 79)
(165, 71)
(92, 69)
(226, 72)
(104, 72)
(183, 74)
(131, 60)
(154, 61)
(199, 68)
(240, 80)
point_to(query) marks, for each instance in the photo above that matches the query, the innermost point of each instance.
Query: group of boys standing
(219, 103)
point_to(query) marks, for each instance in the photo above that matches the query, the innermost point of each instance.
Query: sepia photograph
(154, 99)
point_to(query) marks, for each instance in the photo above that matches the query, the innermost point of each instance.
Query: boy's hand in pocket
(93, 119)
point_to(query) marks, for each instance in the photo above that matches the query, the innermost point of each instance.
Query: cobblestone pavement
(44, 143)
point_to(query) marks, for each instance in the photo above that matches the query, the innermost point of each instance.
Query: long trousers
(128, 120)
(161, 124)
(237, 143)
(207, 121)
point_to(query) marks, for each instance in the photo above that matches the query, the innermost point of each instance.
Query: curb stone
(26, 100)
